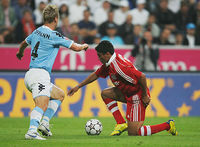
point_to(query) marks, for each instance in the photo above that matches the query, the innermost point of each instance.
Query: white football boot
(44, 129)
(30, 135)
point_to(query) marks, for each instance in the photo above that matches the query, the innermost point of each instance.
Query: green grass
(69, 132)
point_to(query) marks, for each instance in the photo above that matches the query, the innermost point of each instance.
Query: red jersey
(122, 73)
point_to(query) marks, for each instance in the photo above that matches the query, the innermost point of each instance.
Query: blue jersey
(44, 47)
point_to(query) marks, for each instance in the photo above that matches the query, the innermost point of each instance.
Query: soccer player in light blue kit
(45, 44)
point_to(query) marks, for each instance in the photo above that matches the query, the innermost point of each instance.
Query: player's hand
(146, 100)
(85, 46)
(72, 91)
(19, 55)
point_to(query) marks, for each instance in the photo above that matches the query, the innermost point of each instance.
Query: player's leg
(110, 97)
(136, 128)
(41, 104)
(57, 96)
(37, 81)
(136, 115)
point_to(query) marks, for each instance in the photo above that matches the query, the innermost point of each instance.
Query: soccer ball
(93, 127)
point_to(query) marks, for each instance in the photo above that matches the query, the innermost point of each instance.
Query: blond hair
(50, 12)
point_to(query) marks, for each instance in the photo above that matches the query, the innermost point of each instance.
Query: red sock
(113, 107)
(148, 130)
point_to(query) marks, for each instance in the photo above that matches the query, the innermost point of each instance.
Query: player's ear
(56, 19)
(107, 53)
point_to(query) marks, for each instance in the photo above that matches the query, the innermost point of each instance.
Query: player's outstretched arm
(145, 98)
(92, 77)
(79, 47)
(22, 47)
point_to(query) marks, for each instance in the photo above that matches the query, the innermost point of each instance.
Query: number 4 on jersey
(34, 52)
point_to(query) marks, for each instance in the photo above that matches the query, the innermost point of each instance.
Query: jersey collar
(47, 27)
(111, 59)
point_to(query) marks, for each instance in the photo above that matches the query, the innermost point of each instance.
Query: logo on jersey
(60, 35)
(136, 99)
(41, 87)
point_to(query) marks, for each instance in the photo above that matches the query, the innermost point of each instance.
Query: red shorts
(135, 108)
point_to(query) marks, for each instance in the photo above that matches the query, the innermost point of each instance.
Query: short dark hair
(104, 47)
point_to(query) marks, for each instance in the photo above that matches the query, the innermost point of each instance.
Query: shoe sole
(28, 137)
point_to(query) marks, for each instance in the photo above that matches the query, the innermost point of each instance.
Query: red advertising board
(171, 59)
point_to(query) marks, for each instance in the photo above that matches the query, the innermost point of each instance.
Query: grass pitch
(69, 132)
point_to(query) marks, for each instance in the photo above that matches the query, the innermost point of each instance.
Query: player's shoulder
(122, 61)
(57, 34)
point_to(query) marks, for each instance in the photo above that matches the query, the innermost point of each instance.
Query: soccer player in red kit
(130, 88)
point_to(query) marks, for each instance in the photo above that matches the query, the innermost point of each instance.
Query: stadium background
(174, 86)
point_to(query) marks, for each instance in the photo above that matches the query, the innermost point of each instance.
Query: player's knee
(132, 132)
(103, 94)
(45, 106)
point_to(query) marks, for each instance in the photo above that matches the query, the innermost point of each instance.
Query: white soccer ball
(93, 127)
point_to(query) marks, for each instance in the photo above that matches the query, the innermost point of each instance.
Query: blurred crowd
(142, 23)
(167, 22)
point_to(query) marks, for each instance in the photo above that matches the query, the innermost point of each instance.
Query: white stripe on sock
(32, 128)
(53, 105)
(114, 109)
(111, 103)
(36, 115)
(148, 130)
(142, 131)
(46, 119)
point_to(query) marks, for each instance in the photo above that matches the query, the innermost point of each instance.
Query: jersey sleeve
(29, 39)
(129, 73)
(61, 40)
(102, 71)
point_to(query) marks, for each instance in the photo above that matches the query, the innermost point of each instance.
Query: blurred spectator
(135, 37)
(164, 37)
(87, 28)
(63, 10)
(37, 3)
(74, 35)
(61, 2)
(174, 5)
(151, 5)
(192, 4)
(25, 27)
(65, 28)
(76, 12)
(111, 35)
(97, 39)
(152, 26)
(94, 5)
(179, 39)
(126, 29)
(132, 4)
(139, 14)
(191, 39)
(197, 17)
(146, 53)
(38, 14)
(8, 22)
(20, 7)
(183, 17)
(121, 13)
(103, 26)
(101, 14)
(164, 16)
